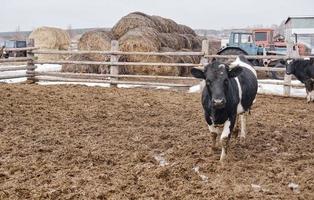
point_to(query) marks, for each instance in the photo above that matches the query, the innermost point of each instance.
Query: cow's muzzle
(219, 103)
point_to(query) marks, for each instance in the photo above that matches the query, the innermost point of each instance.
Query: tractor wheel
(230, 52)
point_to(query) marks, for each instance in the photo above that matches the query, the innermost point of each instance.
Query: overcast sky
(207, 14)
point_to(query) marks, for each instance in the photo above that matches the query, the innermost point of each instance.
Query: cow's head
(217, 76)
(290, 67)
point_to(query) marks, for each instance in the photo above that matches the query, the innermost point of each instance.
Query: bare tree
(17, 35)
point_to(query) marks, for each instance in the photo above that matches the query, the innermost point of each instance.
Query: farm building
(303, 27)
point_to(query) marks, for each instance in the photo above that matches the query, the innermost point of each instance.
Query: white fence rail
(114, 76)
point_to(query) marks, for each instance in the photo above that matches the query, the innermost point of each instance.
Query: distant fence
(114, 78)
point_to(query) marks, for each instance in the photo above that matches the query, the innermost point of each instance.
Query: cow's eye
(226, 81)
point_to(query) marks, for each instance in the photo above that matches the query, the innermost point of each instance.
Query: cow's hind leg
(308, 97)
(311, 96)
(213, 131)
(309, 86)
(243, 126)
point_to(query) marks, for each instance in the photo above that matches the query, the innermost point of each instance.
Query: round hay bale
(172, 40)
(138, 19)
(142, 39)
(97, 40)
(131, 21)
(74, 68)
(156, 70)
(47, 38)
(167, 49)
(180, 41)
(97, 69)
(183, 29)
(165, 25)
(194, 42)
(185, 71)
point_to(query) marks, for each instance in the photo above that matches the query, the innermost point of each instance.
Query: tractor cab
(243, 41)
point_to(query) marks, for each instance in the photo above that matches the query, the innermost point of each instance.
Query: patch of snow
(195, 89)
(139, 86)
(14, 80)
(197, 170)
(203, 177)
(40, 68)
(266, 88)
(48, 67)
(161, 160)
(256, 188)
(262, 88)
(74, 83)
(294, 187)
(279, 89)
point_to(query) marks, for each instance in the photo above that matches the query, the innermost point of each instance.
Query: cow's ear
(234, 72)
(197, 73)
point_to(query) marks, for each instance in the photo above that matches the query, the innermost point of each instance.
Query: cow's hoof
(222, 159)
(236, 134)
(214, 149)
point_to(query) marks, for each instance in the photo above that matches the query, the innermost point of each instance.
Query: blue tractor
(257, 42)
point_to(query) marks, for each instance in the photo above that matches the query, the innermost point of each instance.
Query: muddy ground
(77, 142)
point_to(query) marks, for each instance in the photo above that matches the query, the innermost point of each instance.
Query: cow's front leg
(225, 137)
(213, 131)
(236, 128)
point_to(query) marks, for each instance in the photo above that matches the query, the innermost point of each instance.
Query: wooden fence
(114, 77)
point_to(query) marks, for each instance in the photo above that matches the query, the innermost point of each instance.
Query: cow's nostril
(218, 101)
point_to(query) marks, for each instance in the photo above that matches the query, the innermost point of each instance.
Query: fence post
(287, 88)
(114, 70)
(287, 79)
(30, 68)
(205, 50)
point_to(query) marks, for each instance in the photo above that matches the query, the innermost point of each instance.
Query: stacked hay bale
(95, 40)
(79, 68)
(50, 38)
(140, 32)
(140, 39)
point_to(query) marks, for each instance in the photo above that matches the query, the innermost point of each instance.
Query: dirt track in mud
(76, 142)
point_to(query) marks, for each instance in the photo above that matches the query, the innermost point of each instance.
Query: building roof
(299, 17)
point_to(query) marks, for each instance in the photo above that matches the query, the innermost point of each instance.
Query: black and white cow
(303, 70)
(229, 91)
